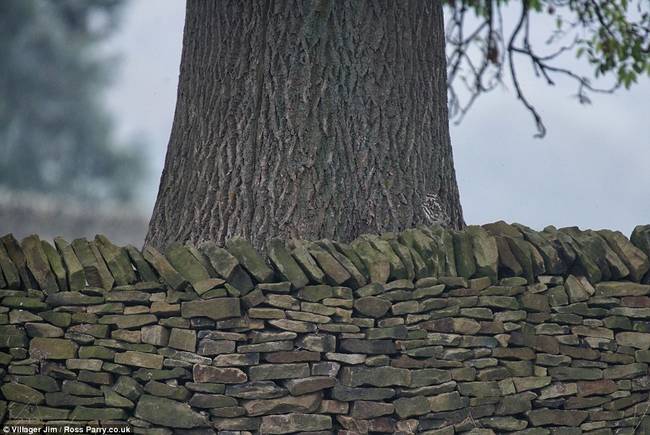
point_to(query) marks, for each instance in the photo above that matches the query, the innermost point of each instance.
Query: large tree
(328, 118)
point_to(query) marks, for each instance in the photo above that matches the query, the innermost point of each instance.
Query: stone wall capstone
(493, 329)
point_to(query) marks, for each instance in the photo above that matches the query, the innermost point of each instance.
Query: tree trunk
(308, 119)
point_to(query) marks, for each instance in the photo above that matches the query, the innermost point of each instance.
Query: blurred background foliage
(56, 136)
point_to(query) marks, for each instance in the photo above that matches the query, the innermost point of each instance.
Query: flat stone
(638, 340)
(293, 325)
(43, 330)
(625, 371)
(601, 387)
(11, 336)
(215, 309)
(349, 394)
(446, 402)
(622, 289)
(215, 347)
(250, 259)
(292, 356)
(139, 359)
(311, 384)
(128, 387)
(38, 264)
(370, 347)
(203, 373)
(306, 403)
(288, 423)
(502, 302)
(130, 321)
(377, 377)
(39, 413)
(52, 348)
(169, 413)
(367, 409)
(545, 417)
(285, 264)
(82, 413)
(411, 406)
(24, 303)
(479, 389)
(456, 325)
(84, 364)
(256, 390)
(485, 252)
(374, 261)
(21, 393)
(182, 339)
(575, 373)
(160, 389)
(164, 268)
(335, 273)
(426, 377)
(264, 372)
(155, 334)
(210, 401)
(372, 306)
(189, 267)
(236, 359)
(464, 256)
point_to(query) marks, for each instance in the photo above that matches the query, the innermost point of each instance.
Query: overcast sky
(592, 169)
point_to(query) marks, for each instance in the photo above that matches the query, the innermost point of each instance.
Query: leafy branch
(613, 37)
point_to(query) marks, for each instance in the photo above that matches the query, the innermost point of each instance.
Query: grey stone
(166, 412)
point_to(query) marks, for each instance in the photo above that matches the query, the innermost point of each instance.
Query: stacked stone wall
(493, 329)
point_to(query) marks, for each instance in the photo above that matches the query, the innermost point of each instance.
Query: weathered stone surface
(38, 264)
(155, 334)
(203, 373)
(411, 406)
(186, 264)
(311, 384)
(335, 273)
(634, 258)
(285, 264)
(162, 266)
(182, 339)
(139, 359)
(625, 371)
(457, 325)
(288, 423)
(38, 413)
(349, 394)
(544, 417)
(306, 403)
(52, 348)
(166, 412)
(21, 393)
(264, 372)
(479, 389)
(256, 390)
(366, 409)
(485, 251)
(371, 347)
(250, 259)
(11, 336)
(373, 260)
(378, 377)
(129, 321)
(215, 309)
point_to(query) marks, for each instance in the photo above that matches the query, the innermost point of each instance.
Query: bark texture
(308, 119)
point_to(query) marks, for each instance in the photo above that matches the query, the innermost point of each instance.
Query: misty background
(101, 176)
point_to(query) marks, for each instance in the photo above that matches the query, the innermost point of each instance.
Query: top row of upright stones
(492, 250)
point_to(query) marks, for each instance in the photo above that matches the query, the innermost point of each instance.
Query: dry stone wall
(493, 329)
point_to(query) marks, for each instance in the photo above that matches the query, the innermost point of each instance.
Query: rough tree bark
(308, 119)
